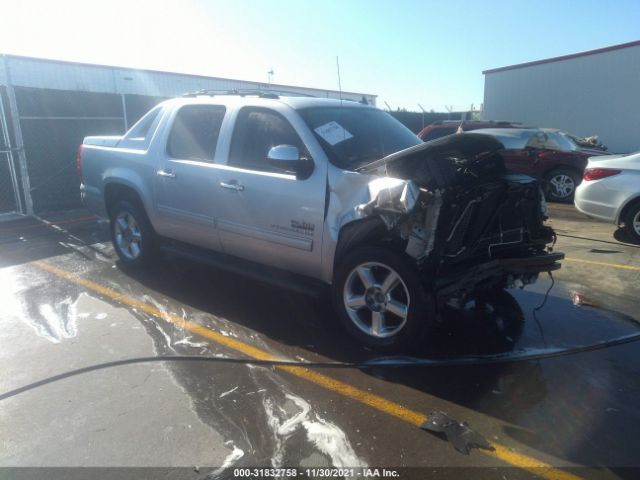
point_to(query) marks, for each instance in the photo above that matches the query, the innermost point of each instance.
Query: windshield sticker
(333, 133)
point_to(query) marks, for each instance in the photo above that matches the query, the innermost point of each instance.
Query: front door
(265, 214)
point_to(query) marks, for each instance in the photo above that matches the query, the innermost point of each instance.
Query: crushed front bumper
(495, 272)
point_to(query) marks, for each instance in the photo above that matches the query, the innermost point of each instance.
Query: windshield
(562, 141)
(355, 136)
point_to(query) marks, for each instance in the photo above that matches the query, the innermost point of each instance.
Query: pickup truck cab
(308, 191)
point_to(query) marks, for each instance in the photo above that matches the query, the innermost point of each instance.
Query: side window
(194, 133)
(139, 136)
(256, 131)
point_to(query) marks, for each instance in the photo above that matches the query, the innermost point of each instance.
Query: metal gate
(10, 200)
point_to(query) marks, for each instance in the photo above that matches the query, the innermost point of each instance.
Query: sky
(407, 52)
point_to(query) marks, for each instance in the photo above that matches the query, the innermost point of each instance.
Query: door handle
(232, 185)
(165, 173)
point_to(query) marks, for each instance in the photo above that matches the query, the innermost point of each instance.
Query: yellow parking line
(370, 399)
(602, 264)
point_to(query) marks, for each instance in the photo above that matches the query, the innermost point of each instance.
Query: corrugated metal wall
(593, 94)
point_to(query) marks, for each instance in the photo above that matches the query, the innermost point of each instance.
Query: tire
(385, 317)
(133, 237)
(561, 185)
(632, 222)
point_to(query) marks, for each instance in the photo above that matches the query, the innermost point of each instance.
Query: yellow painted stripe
(602, 264)
(370, 399)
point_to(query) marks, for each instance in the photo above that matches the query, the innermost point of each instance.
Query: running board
(246, 268)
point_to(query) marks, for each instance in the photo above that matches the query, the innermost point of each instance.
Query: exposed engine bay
(461, 214)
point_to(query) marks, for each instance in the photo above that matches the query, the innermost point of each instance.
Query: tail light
(599, 173)
(79, 163)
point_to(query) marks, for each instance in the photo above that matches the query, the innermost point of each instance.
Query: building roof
(564, 57)
(274, 86)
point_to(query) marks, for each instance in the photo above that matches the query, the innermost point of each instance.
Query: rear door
(265, 214)
(187, 178)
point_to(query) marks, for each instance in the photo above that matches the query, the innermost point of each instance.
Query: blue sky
(407, 52)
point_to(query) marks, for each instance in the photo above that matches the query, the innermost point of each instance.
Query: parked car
(309, 192)
(443, 128)
(610, 191)
(544, 153)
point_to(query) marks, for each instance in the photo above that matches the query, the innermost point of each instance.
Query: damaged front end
(468, 223)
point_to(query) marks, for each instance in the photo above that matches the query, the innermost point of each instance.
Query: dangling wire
(539, 307)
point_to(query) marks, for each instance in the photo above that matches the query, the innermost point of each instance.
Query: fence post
(17, 132)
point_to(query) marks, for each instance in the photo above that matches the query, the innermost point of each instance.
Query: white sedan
(610, 190)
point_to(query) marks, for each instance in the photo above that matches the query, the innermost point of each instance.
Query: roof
(293, 102)
(565, 57)
(275, 86)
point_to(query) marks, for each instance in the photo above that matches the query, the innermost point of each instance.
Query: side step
(246, 268)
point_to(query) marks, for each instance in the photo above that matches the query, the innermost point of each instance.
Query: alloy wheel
(376, 299)
(127, 235)
(562, 185)
(636, 223)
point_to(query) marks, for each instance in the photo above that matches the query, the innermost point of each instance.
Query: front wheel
(380, 300)
(133, 237)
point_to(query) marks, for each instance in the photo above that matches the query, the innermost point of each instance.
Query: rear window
(139, 136)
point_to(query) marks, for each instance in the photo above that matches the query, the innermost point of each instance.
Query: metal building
(589, 93)
(47, 107)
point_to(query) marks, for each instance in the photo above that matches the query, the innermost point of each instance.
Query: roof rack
(274, 94)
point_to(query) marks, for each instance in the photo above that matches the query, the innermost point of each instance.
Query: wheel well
(114, 192)
(626, 209)
(370, 231)
(563, 167)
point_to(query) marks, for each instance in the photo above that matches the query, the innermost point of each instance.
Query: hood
(472, 147)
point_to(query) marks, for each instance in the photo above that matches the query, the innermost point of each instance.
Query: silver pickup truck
(310, 192)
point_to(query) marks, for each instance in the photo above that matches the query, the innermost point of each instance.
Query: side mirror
(287, 158)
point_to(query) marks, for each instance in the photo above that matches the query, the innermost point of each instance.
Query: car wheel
(132, 234)
(632, 222)
(380, 300)
(561, 185)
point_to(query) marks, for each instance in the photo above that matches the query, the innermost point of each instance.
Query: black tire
(631, 217)
(147, 239)
(400, 334)
(554, 181)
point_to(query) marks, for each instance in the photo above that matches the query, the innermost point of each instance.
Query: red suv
(547, 154)
(443, 128)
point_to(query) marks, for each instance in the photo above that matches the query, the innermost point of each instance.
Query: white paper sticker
(333, 133)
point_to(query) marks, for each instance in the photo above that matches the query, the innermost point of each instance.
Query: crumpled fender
(353, 196)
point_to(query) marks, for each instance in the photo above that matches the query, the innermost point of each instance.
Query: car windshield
(566, 142)
(355, 136)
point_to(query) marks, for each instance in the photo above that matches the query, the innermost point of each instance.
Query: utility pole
(270, 75)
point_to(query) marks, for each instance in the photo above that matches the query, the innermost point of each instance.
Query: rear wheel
(632, 222)
(133, 237)
(561, 185)
(380, 300)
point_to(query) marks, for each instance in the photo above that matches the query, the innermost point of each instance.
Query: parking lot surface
(69, 307)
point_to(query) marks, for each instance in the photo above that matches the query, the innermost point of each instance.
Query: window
(195, 130)
(139, 136)
(257, 131)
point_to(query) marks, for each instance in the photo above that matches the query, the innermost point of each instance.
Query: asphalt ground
(67, 305)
